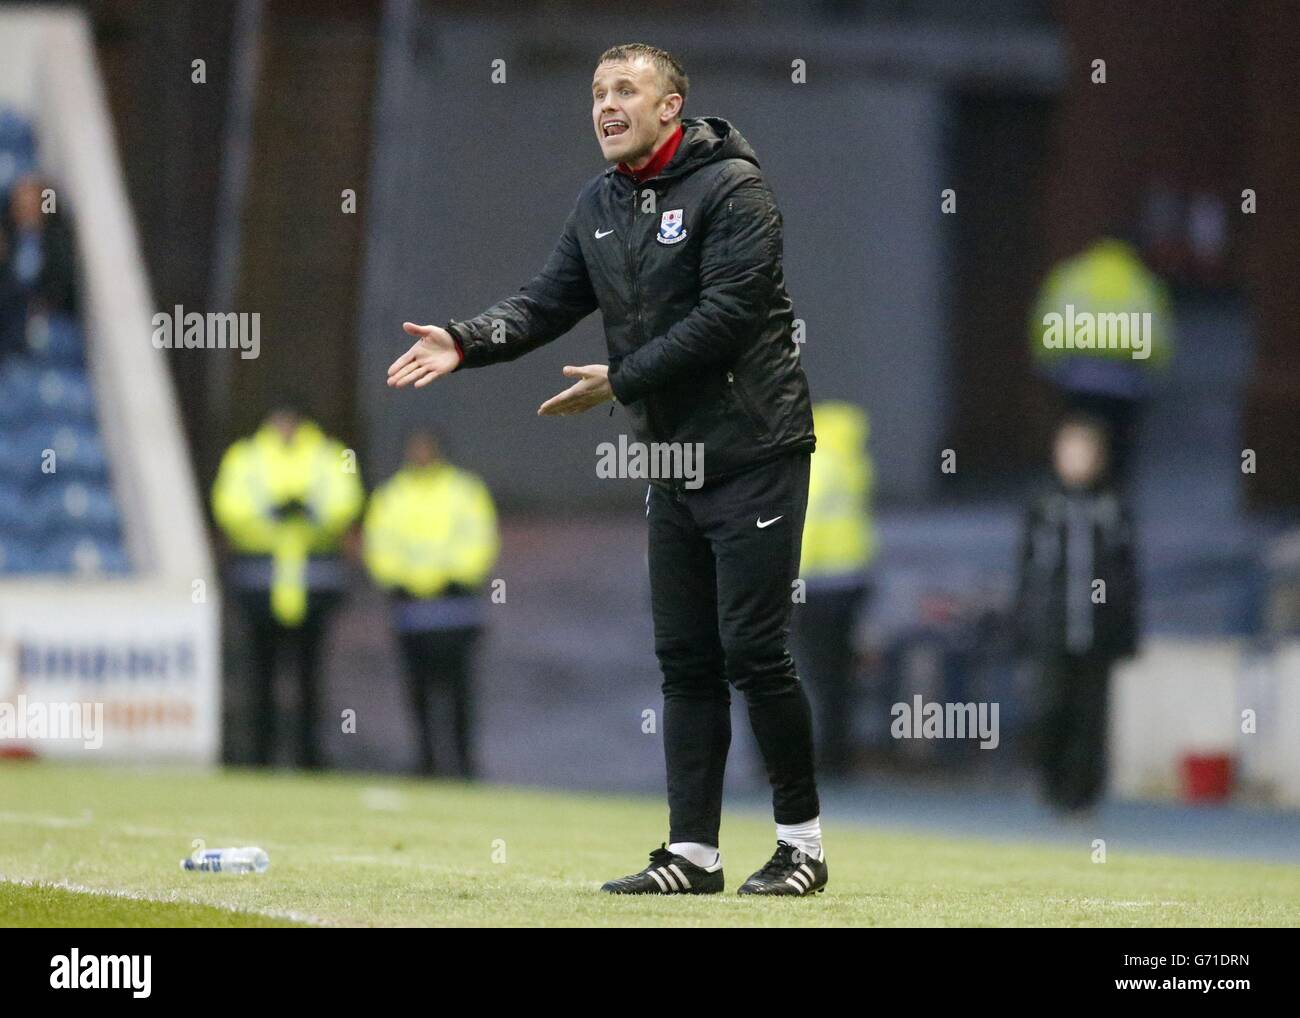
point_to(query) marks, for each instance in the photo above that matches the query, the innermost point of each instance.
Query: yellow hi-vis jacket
(428, 527)
(838, 535)
(1108, 279)
(263, 473)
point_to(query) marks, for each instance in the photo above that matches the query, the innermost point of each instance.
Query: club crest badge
(671, 230)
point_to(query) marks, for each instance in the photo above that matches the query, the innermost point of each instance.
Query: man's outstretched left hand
(590, 390)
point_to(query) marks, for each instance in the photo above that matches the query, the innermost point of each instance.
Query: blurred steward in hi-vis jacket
(430, 540)
(1077, 610)
(839, 545)
(1102, 333)
(285, 498)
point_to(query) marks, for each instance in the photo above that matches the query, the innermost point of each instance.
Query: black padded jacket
(686, 271)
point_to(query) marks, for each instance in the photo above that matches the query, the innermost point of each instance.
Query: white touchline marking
(135, 830)
(47, 819)
(386, 800)
(173, 899)
(87, 818)
(1116, 904)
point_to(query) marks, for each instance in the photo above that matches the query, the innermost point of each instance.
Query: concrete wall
(1186, 696)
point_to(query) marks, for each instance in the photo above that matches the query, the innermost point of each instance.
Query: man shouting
(679, 245)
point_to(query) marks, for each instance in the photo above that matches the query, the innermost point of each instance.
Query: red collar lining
(662, 157)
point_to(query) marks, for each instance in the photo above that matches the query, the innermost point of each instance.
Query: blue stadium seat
(68, 528)
(19, 556)
(17, 148)
(63, 394)
(88, 556)
(63, 519)
(72, 509)
(17, 391)
(17, 134)
(78, 450)
(49, 451)
(18, 517)
(21, 450)
(55, 340)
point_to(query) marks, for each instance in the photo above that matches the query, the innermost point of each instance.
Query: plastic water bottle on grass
(227, 860)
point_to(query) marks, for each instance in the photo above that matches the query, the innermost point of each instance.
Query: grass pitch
(82, 846)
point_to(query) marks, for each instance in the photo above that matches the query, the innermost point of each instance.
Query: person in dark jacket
(285, 498)
(1077, 610)
(39, 248)
(679, 244)
(37, 261)
(430, 540)
(13, 303)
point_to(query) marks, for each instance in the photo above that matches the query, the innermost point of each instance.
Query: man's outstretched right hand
(433, 355)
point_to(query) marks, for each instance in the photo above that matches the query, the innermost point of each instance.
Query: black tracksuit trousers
(823, 642)
(268, 639)
(723, 559)
(1072, 736)
(442, 659)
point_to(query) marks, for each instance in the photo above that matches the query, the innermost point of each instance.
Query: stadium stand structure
(107, 590)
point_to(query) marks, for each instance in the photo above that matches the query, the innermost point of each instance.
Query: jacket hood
(705, 140)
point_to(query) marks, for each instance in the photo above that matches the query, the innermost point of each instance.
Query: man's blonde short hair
(670, 71)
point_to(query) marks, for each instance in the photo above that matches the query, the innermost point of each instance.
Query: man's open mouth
(614, 127)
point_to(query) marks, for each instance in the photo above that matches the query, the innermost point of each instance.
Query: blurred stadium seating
(105, 568)
(65, 519)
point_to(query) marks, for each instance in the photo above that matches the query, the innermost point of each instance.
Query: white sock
(807, 837)
(707, 857)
